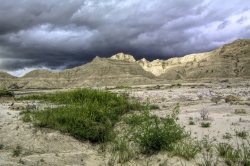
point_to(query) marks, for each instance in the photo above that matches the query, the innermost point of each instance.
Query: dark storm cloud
(223, 25)
(59, 34)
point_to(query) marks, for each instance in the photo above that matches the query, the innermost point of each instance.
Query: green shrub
(242, 134)
(191, 123)
(227, 136)
(205, 124)
(231, 98)
(1, 146)
(157, 134)
(223, 149)
(17, 151)
(5, 92)
(154, 106)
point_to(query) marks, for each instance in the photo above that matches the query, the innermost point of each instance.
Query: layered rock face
(230, 61)
(6, 79)
(99, 72)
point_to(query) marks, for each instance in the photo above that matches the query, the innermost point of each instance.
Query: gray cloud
(62, 34)
(223, 25)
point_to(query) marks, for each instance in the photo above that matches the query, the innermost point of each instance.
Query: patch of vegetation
(1, 146)
(242, 134)
(178, 85)
(84, 113)
(205, 124)
(122, 87)
(231, 98)
(186, 148)
(227, 136)
(157, 134)
(154, 106)
(6, 93)
(223, 149)
(191, 123)
(17, 151)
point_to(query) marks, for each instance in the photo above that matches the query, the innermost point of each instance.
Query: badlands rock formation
(229, 61)
(99, 72)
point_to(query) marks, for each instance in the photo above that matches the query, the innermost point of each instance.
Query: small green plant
(223, 149)
(5, 92)
(157, 134)
(191, 123)
(187, 149)
(227, 136)
(242, 134)
(17, 151)
(1, 146)
(154, 106)
(209, 159)
(123, 150)
(205, 124)
(178, 84)
(123, 87)
(26, 117)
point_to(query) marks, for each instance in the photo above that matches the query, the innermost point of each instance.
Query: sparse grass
(186, 148)
(227, 136)
(17, 151)
(205, 124)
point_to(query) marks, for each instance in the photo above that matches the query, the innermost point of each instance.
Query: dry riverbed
(49, 147)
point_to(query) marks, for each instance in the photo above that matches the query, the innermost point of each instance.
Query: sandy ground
(50, 147)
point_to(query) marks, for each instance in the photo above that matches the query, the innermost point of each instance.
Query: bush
(191, 123)
(205, 124)
(17, 151)
(154, 106)
(6, 93)
(231, 98)
(156, 134)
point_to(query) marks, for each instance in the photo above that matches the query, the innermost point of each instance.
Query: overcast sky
(58, 34)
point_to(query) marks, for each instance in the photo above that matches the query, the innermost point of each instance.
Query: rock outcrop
(99, 72)
(229, 61)
(124, 57)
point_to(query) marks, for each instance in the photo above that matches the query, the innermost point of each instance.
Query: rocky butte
(231, 61)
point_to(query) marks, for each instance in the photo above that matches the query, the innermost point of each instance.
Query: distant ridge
(229, 61)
